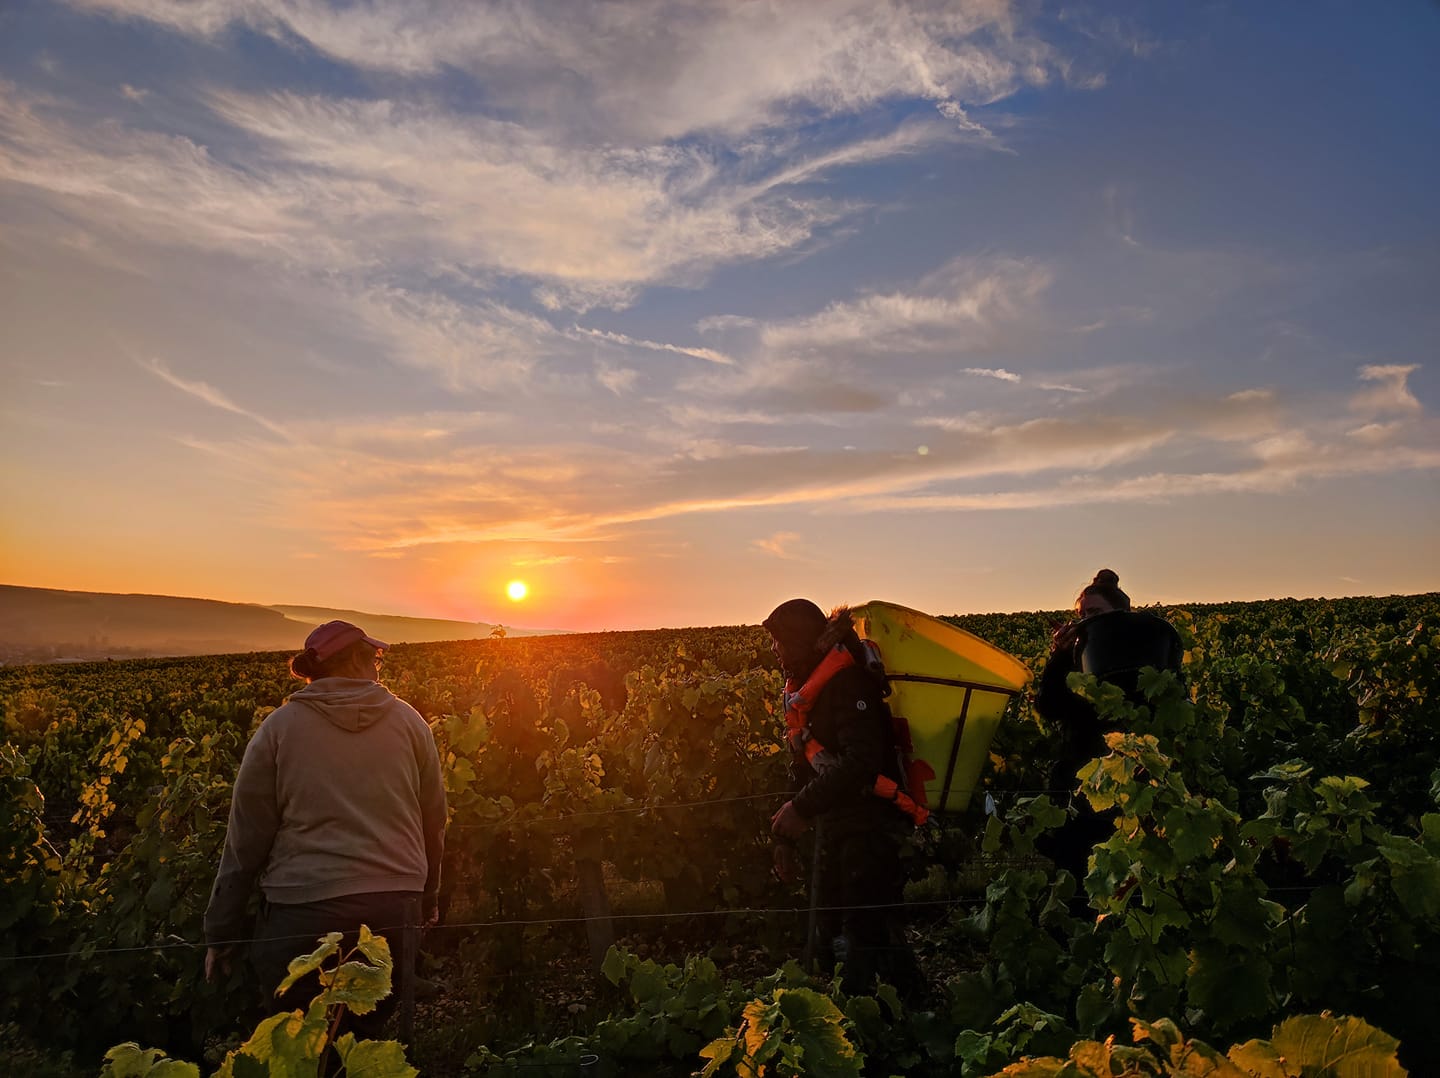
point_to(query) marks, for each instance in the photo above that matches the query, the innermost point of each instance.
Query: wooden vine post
(594, 902)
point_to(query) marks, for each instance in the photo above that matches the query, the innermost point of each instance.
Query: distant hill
(48, 625)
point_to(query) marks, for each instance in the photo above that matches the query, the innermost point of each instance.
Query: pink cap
(335, 636)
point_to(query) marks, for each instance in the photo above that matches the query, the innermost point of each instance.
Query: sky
(676, 310)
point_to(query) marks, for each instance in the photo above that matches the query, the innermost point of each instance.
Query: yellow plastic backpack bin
(951, 688)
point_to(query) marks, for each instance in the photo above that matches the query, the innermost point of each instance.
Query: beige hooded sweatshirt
(339, 793)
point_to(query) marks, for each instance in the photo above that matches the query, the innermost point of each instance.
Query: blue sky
(676, 310)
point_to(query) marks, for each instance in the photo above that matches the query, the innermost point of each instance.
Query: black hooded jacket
(852, 721)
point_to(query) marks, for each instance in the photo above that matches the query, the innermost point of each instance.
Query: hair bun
(1107, 578)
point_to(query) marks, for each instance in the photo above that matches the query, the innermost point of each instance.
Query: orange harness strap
(798, 703)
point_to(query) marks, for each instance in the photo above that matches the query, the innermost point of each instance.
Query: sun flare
(517, 590)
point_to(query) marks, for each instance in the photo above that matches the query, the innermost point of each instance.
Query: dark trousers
(1072, 843)
(286, 932)
(855, 895)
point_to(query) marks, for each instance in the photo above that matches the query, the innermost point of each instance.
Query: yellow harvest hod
(950, 686)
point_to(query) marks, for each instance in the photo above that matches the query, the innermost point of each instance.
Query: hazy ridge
(50, 625)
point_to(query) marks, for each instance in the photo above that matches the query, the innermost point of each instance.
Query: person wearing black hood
(338, 813)
(841, 741)
(1136, 641)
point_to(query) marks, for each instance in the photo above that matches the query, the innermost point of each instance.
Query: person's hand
(1064, 637)
(217, 962)
(430, 914)
(786, 861)
(788, 823)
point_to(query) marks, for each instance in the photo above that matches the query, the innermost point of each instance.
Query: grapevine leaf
(759, 1018)
(1260, 1060)
(129, 1060)
(718, 1052)
(173, 1068)
(887, 995)
(614, 966)
(974, 999)
(1093, 1057)
(376, 949)
(647, 983)
(1414, 874)
(818, 1032)
(1333, 1047)
(1092, 1007)
(358, 986)
(286, 1045)
(1227, 986)
(973, 1048)
(373, 1059)
(308, 963)
(1043, 1067)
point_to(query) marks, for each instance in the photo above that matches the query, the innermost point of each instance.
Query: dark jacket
(1082, 738)
(1150, 641)
(851, 719)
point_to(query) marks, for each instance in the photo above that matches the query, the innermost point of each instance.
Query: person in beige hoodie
(338, 813)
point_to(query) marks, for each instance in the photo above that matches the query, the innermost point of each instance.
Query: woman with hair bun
(338, 813)
(1108, 640)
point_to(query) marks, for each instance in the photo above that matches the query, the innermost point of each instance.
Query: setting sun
(517, 590)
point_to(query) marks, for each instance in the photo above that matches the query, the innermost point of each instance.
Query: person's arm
(254, 822)
(1053, 699)
(432, 819)
(861, 741)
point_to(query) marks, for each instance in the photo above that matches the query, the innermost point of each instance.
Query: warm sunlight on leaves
(517, 590)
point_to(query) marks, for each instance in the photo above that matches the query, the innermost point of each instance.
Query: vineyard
(1269, 901)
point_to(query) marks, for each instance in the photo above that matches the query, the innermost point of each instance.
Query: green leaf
(1414, 874)
(173, 1068)
(974, 1000)
(1229, 986)
(373, 1059)
(129, 1060)
(818, 1032)
(1331, 1047)
(376, 949)
(1092, 1007)
(1047, 1067)
(614, 966)
(718, 1052)
(887, 995)
(1259, 1059)
(309, 963)
(647, 983)
(357, 985)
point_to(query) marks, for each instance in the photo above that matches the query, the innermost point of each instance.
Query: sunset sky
(675, 310)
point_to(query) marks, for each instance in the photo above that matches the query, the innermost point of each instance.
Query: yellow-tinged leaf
(376, 949)
(1338, 1047)
(308, 963)
(1259, 1059)
(374, 1059)
(1042, 1067)
(358, 986)
(1093, 1057)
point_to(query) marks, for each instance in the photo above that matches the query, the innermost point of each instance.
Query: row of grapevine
(1278, 803)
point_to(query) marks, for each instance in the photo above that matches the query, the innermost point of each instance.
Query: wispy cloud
(1391, 394)
(707, 354)
(961, 307)
(998, 373)
(350, 186)
(780, 545)
(656, 69)
(215, 398)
